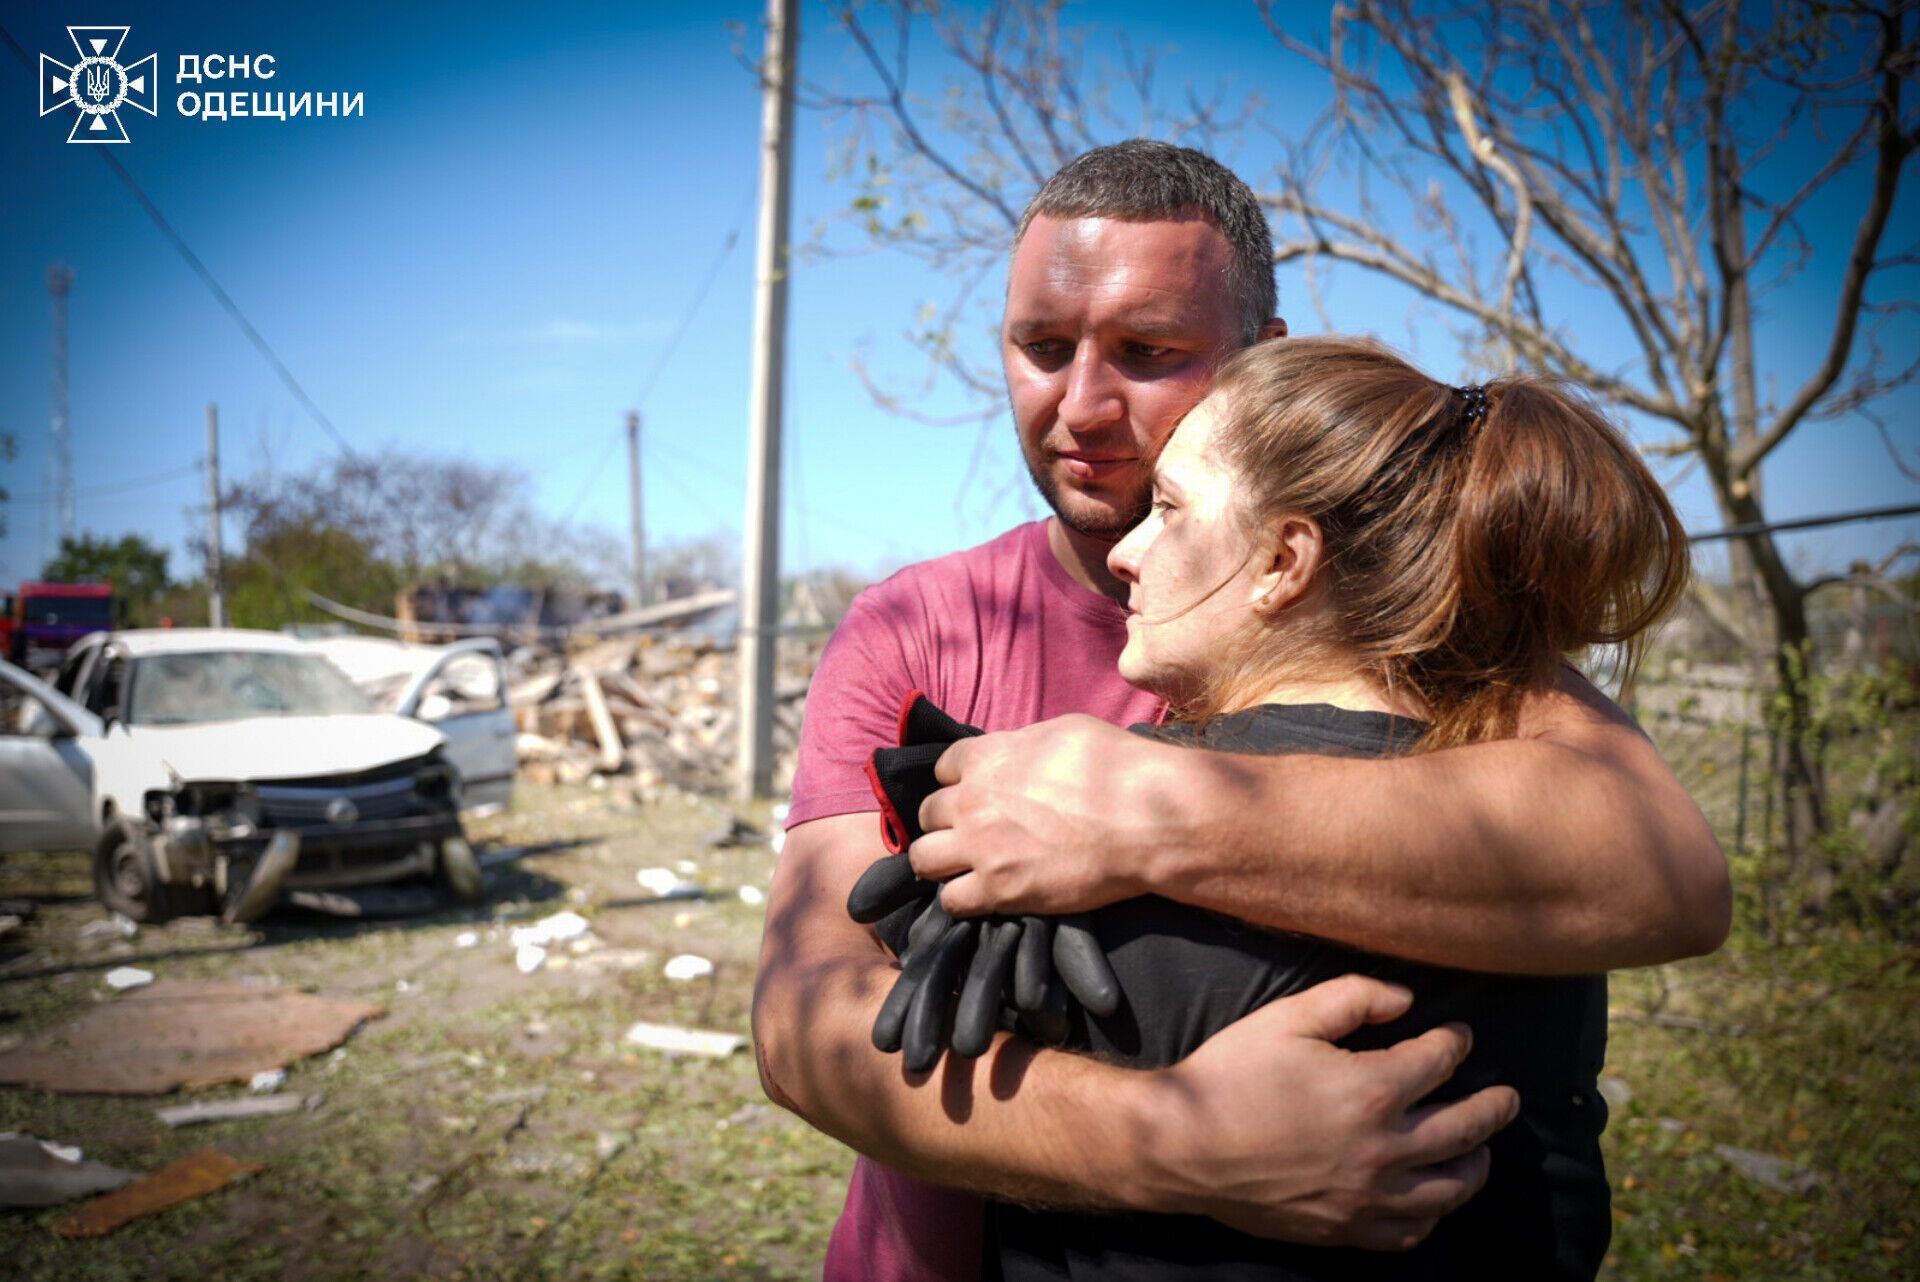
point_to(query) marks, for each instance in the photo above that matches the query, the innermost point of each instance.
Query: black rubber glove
(1017, 971)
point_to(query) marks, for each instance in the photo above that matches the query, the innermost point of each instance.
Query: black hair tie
(1474, 411)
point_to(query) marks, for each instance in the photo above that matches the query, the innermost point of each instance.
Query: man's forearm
(1571, 854)
(1018, 1122)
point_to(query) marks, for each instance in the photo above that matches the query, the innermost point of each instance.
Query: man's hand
(1035, 820)
(1273, 1131)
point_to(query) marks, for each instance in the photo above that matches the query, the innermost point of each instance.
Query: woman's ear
(1294, 548)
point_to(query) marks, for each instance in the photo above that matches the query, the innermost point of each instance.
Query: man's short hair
(1141, 180)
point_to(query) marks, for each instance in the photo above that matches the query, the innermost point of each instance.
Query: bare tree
(1520, 165)
(1663, 158)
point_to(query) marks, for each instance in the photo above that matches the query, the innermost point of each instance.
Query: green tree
(136, 569)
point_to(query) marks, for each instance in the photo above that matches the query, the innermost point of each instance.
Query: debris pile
(661, 712)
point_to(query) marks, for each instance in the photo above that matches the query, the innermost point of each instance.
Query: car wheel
(127, 881)
(457, 872)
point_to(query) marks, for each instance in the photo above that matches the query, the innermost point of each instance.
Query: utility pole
(639, 521)
(216, 587)
(60, 428)
(760, 574)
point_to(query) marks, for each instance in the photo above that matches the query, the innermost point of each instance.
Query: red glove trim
(906, 707)
(893, 833)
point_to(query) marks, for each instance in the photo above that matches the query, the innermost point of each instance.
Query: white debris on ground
(752, 896)
(466, 939)
(121, 978)
(688, 966)
(266, 1080)
(685, 1041)
(664, 883)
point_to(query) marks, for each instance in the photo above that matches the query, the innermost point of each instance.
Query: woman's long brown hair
(1466, 555)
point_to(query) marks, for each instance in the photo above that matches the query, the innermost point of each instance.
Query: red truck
(47, 618)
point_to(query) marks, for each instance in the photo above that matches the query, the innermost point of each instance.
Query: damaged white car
(223, 770)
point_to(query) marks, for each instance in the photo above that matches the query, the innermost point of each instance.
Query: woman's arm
(1570, 849)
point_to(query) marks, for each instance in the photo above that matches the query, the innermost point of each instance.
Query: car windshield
(227, 685)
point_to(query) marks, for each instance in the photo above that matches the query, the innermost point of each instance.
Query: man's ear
(1274, 328)
(1294, 549)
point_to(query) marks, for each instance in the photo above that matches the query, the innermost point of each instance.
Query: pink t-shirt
(1000, 637)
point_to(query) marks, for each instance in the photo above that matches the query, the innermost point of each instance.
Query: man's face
(1111, 334)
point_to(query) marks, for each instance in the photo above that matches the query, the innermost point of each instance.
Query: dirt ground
(495, 1125)
(491, 1124)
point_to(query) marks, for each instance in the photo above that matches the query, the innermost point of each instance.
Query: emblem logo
(97, 85)
(342, 813)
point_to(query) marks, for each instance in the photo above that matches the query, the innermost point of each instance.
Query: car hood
(287, 747)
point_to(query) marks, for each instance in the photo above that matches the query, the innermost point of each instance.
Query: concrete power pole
(639, 520)
(760, 574)
(216, 584)
(60, 427)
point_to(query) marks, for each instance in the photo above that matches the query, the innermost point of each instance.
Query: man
(1571, 849)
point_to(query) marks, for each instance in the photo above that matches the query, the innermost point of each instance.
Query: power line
(109, 487)
(1808, 522)
(699, 297)
(200, 269)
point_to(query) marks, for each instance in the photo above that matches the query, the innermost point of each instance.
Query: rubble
(195, 1175)
(660, 711)
(35, 1172)
(685, 1041)
(232, 1110)
(182, 1033)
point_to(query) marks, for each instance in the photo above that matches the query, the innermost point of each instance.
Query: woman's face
(1191, 566)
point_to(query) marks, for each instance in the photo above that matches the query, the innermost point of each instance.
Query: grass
(493, 1125)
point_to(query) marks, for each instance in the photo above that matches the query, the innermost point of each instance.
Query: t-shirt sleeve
(853, 706)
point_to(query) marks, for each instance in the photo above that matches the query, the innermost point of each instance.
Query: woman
(1346, 556)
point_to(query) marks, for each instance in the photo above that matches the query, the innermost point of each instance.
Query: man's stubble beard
(1109, 527)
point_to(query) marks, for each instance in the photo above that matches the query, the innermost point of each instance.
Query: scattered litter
(466, 939)
(233, 1110)
(608, 1144)
(556, 929)
(547, 1164)
(738, 832)
(688, 966)
(665, 884)
(752, 896)
(114, 927)
(267, 1079)
(39, 1173)
(405, 986)
(685, 1041)
(682, 920)
(195, 1175)
(182, 1034)
(1616, 1092)
(121, 978)
(1776, 1173)
(529, 958)
(618, 959)
(750, 1117)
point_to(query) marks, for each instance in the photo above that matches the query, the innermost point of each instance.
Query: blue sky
(490, 261)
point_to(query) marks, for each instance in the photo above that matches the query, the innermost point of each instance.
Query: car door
(463, 695)
(46, 774)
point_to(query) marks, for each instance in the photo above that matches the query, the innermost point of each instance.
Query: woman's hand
(1049, 819)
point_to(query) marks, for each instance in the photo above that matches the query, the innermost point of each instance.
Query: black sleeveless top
(1187, 973)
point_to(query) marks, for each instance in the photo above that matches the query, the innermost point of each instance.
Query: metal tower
(60, 429)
